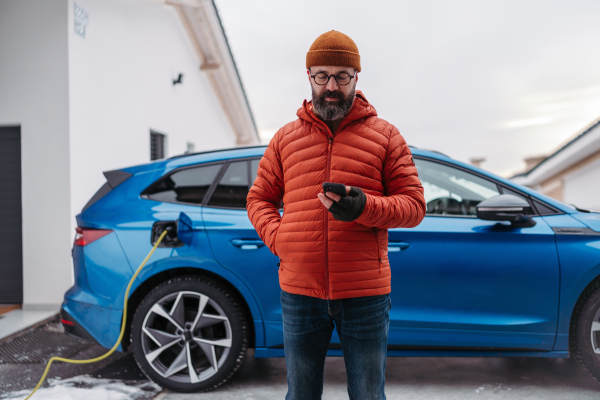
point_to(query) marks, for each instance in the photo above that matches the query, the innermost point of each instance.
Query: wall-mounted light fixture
(178, 80)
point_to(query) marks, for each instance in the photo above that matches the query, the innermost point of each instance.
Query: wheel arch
(583, 338)
(575, 287)
(583, 297)
(154, 280)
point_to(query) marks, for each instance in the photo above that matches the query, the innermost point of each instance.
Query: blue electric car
(495, 269)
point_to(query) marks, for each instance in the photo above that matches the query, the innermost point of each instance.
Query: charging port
(171, 239)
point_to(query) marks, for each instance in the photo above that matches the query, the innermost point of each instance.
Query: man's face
(332, 101)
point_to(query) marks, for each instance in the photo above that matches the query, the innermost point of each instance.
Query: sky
(495, 79)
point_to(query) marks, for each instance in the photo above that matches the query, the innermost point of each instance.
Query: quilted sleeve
(403, 204)
(264, 199)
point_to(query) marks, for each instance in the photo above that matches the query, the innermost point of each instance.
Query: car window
(188, 185)
(538, 207)
(233, 187)
(452, 191)
(254, 169)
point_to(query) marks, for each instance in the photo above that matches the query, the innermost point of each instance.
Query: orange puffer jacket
(321, 256)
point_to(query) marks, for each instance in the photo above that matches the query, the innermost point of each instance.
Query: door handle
(397, 246)
(247, 244)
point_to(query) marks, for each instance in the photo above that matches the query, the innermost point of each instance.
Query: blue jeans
(362, 323)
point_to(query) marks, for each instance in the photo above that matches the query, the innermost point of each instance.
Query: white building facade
(84, 85)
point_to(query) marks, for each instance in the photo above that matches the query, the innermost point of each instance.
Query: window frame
(501, 187)
(145, 195)
(221, 174)
(224, 165)
(158, 144)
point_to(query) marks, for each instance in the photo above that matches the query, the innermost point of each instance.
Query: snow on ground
(88, 388)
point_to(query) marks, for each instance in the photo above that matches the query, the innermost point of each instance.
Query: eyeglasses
(342, 79)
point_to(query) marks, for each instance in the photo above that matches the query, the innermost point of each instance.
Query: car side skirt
(262, 352)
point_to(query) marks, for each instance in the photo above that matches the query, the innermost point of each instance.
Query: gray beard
(331, 111)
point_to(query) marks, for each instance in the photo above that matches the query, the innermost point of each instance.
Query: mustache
(333, 94)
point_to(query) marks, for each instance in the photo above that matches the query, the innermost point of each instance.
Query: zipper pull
(330, 142)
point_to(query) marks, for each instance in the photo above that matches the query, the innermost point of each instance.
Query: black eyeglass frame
(334, 77)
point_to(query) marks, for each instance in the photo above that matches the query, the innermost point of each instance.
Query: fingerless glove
(349, 207)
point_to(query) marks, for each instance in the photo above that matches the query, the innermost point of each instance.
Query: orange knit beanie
(333, 48)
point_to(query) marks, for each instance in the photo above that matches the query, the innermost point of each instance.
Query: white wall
(121, 87)
(580, 190)
(86, 105)
(34, 94)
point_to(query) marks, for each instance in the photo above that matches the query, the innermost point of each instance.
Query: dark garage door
(11, 259)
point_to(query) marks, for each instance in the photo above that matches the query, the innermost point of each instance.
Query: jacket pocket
(277, 241)
(376, 234)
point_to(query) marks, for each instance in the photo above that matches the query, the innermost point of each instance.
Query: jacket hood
(361, 108)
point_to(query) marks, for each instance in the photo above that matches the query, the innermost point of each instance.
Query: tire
(585, 331)
(181, 349)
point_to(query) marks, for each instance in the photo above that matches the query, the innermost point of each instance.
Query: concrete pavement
(422, 379)
(406, 378)
(18, 320)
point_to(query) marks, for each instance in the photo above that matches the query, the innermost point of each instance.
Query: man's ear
(308, 73)
(356, 75)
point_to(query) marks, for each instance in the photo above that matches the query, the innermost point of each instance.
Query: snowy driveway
(119, 378)
(423, 379)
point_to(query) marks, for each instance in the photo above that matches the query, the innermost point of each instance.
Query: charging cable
(102, 357)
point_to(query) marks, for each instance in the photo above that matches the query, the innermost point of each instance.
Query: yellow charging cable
(102, 357)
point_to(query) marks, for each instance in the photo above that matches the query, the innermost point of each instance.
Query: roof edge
(528, 175)
(203, 25)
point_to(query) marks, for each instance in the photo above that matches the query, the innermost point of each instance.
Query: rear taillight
(85, 236)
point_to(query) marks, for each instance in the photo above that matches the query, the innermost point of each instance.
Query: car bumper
(97, 324)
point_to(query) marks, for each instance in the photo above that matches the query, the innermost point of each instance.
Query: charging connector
(171, 240)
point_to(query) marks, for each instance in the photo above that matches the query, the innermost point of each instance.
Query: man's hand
(328, 198)
(344, 208)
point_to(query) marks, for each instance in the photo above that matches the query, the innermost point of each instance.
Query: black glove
(349, 207)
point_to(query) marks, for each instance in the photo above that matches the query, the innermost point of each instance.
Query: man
(334, 269)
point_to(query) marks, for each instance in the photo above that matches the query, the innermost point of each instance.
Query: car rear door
(461, 282)
(237, 246)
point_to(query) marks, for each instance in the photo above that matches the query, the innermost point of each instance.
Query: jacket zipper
(326, 223)
(326, 229)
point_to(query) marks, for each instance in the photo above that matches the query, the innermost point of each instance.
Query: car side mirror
(506, 207)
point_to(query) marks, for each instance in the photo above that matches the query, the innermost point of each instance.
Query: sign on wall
(82, 18)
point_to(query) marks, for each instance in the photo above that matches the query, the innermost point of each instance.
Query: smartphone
(337, 188)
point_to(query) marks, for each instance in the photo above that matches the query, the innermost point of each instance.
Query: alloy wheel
(186, 337)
